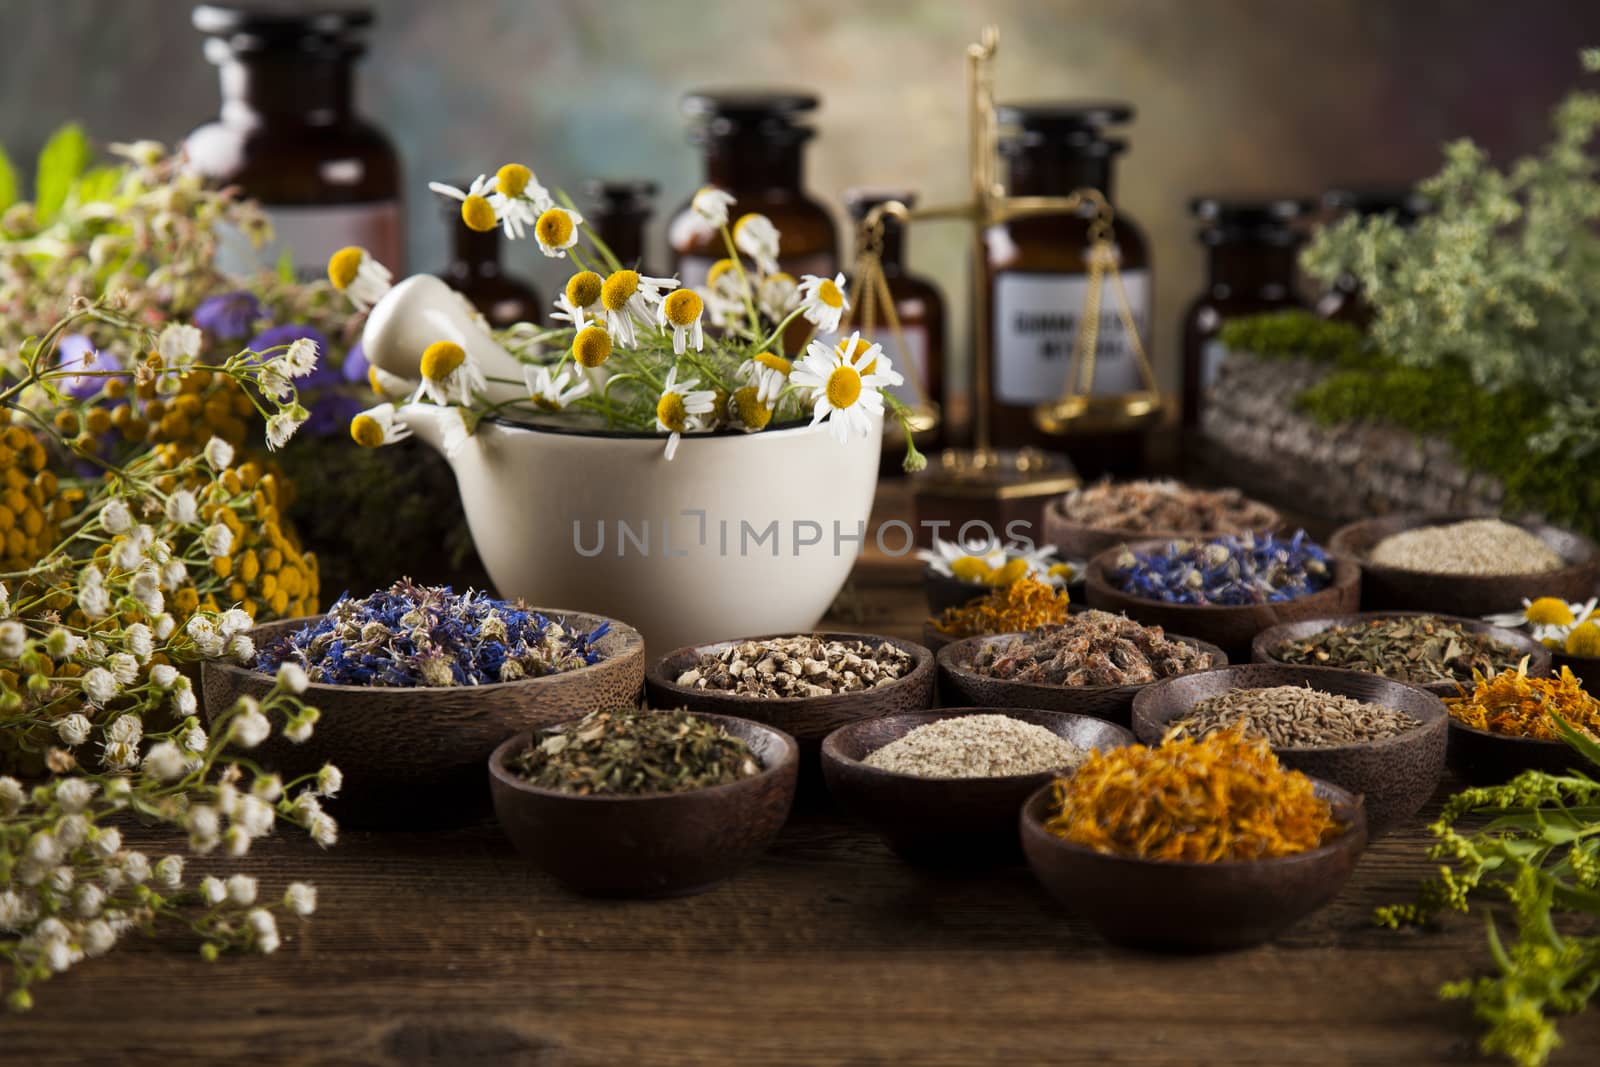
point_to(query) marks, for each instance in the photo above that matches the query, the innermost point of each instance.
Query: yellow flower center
(682, 307)
(718, 269)
(861, 347)
(1009, 572)
(970, 569)
(1549, 611)
(752, 412)
(619, 289)
(554, 228)
(542, 401)
(828, 293)
(844, 387)
(365, 431)
(1584, 640)
(583, 288)
(478, 214)
(440, 360)
(512, 178)
(671, 413)
(372, 380)
(772, 362)
(591, 347)
(343, 265)
(1064, 571)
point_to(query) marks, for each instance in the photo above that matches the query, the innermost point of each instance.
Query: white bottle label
(910, 360)
(1036, 319)
(309, 235)
(1211, 356)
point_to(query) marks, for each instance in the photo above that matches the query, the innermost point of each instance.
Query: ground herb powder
(977, 746)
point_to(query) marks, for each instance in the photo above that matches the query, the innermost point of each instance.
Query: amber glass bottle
(920, 308)
(1251, 247)
(1037, 273)
(1342, 302)
(475, 272)
(754, 149)
(289, 137)
(619, 212)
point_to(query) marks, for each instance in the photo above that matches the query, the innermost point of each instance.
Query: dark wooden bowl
(945, 822)
(1192, 907)
(945, 592)
(1261, 649)
(1396, 776)
(1485, 758)
(1389, 588)
(1230, 627)
(654, 844)
(960, 684)
(807, 719)
(415, 756)
(1075, 540)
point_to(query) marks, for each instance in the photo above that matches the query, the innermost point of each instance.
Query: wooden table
(443, 948)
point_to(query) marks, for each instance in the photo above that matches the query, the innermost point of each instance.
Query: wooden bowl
(1396, 776)
(1230, 627)
(960, 684)
(1192, 907)
(936, 639)
(1076, 540)
(415, 756)
(652, 844)
(945, 822)
(1485, 758)
(1261, 649)
(807, 719)
(1390, 588)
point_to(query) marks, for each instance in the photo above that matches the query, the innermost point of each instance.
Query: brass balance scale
(983, 482)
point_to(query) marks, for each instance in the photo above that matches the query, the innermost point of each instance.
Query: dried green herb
(631, 752)
(1419, 649)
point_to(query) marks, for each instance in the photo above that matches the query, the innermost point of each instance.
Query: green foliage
(1285, 334)
(1536, 846)
(8, 181)
(62, 162)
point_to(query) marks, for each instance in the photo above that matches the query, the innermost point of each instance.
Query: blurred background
(1232, 96)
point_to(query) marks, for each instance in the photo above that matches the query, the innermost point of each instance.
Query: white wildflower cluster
(679, 380)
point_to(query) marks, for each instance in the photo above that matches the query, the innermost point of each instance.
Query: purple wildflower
(355, 364)
(76, 352)
(230, 316)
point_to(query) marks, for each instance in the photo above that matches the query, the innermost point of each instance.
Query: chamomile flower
(480, 208)
(824, 301)
(844, 391)
(712, 204)
(768, 372)
(553, 392)
(556, 230)
(378, 426)
(757, 237)
(778, 294)
(972, 561)
(518, 199)
(1548, 619)
(282, 426)
(681, 409)
(301, 358)
(580, 301)
(358, 276)
(449, 374)
(748, 411)
(873, 359)
(591, 347)
(628, 297)
(682, 311)
(723, 293)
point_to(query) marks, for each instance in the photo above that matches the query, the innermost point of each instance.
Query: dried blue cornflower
(229, 316)
(1231, 570)
(413, 635)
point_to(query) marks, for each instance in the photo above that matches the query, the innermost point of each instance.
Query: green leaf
(8, 181)
(61, 162)
(286, 267)
(97, 184)
(1586, 745)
